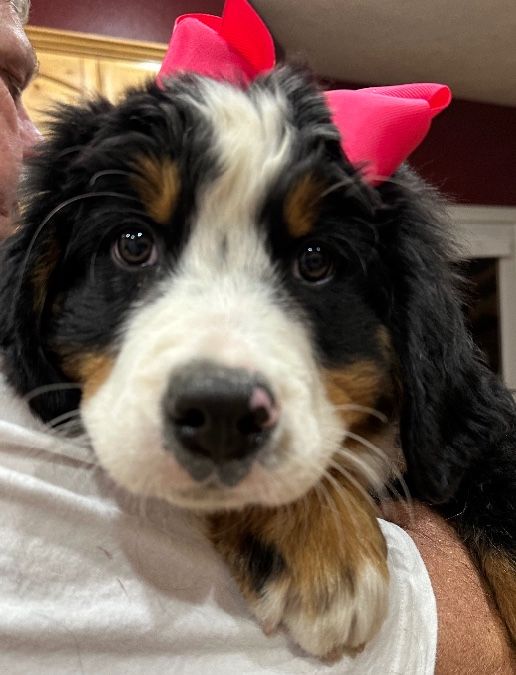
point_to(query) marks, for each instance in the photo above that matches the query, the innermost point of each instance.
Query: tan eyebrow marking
(42, 271)
(158, 184)
(301, 208)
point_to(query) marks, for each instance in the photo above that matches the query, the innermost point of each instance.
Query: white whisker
(72, 415)
(363, 408)
(330, 501)
(368, 444)
(108, 172)
(47, 388)
(350, 478)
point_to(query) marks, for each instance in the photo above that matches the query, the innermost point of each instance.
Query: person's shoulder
(471, 637)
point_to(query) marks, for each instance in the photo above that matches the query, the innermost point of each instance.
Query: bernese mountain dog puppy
(241, 313)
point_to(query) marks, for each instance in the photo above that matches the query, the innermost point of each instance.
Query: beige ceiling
(468, 44)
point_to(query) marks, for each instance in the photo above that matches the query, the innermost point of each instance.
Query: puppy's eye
(135, 248)
(314, 264)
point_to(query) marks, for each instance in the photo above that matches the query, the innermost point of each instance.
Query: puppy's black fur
(457, 420)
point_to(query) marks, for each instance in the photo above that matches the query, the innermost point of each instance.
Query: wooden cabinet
(61, 78)
(75, 65)
(115, 76)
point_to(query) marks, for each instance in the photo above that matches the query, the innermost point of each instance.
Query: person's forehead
(16, 52)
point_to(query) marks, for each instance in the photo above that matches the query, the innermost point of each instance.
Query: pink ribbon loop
(236, 46)
(379, 126)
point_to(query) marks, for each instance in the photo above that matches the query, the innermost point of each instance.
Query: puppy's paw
(321, 573)
(340, 611)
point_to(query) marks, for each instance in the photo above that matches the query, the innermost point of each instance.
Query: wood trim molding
(84, 44)
(485, 231)
(483, 215)
(478, 241)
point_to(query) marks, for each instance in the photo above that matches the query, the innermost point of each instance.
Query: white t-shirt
(93, 582)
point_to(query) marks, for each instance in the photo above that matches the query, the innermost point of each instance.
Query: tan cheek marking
(41, 272)
(362, 383)
(301, 208)
(158, 185)
(384, 340)
(91, 370)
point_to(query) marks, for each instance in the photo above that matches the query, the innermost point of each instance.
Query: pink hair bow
(379, 126)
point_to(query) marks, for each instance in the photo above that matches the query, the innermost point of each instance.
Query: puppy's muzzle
(217, 419)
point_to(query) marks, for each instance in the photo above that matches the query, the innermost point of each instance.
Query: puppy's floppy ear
(29, 259)
(25, 274)
(453, 407)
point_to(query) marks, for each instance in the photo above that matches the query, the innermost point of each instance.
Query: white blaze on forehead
(251, 143)
(252, 139)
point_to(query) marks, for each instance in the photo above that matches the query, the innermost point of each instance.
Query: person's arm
(471, 636)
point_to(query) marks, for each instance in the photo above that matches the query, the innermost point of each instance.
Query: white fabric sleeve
(94, 583)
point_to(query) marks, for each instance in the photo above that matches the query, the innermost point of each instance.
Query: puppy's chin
(257, 489)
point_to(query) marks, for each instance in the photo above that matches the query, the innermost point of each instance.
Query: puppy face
(203, 266)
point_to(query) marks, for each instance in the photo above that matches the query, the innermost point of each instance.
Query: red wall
(470, 152)
(136, 19)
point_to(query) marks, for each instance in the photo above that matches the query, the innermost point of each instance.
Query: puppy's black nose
(218, 413)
